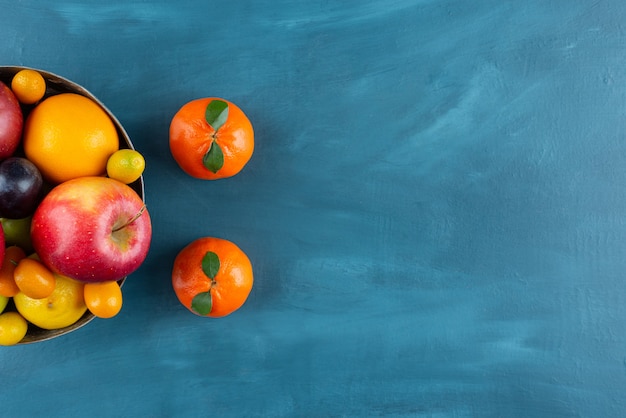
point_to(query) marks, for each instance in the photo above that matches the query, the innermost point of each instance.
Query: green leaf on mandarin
(210, 264)
(202, 303)
(216, 113)
(214, 158)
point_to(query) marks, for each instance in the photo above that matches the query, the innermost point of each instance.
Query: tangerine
(211, 138)
(67, 136)
(212, 277)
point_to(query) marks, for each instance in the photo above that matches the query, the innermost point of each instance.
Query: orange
(12, 256)
(212, 277)
(211, 138)
(68, 136)
(62, 308)
(34, 279)
(28, 86)
(103, 299)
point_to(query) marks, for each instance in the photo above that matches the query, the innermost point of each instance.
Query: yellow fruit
(126, 165)
(28, 86)
(13, 328)
(68, 136)
(62, 308)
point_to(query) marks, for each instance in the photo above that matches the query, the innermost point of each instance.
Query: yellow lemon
(67, 136)
(62, 308)
(126, 165)
(13, 328)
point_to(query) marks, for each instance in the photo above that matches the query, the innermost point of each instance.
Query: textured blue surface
(434, 210)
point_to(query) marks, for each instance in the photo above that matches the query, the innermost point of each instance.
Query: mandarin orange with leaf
(212, 277)
(211, 138)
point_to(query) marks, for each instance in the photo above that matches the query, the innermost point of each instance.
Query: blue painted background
(435, 209)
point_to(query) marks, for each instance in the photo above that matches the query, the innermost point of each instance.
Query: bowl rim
(56, 84)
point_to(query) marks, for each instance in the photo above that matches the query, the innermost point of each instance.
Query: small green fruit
(17, 232)
(3, 302)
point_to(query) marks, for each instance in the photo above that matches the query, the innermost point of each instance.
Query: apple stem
(131, 220)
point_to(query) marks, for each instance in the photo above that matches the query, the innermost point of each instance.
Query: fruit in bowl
(3, 303)
(63, 152)
(11, 122)
(21, 186)
(93, 229)
(68, 135)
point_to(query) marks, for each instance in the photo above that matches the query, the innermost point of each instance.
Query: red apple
(11, 122)
(2, 242)
(92, 229)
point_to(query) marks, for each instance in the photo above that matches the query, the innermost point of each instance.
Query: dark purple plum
(21, 187)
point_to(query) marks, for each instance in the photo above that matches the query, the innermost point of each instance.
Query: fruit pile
(73, 223)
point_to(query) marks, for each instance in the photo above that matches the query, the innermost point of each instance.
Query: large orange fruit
(68, 136)
(211, 138)
(212, 277)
